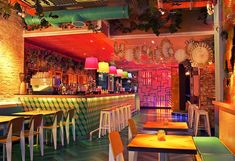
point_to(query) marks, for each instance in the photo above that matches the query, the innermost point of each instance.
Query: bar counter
(87, 107)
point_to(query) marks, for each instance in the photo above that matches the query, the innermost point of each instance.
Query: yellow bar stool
(70, 120)
(132, 130)
(15, 132)
(199, 114)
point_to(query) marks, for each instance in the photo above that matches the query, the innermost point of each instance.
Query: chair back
(70, 114)
(58, 116)
(132, 128)
(17, 125)
(36, 121)
(116, 144)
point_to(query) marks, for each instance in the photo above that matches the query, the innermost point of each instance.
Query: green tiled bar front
(87, 108)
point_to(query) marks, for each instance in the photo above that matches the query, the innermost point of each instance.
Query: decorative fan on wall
(167, 48)
(200, 54)
(180, 55)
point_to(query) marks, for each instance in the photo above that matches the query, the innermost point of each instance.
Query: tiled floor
(97, 150)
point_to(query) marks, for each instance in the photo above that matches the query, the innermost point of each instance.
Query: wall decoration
(167, 48)
(154, 87)
(189, 44)
(180, 55)
(119, 49)
(200, 54)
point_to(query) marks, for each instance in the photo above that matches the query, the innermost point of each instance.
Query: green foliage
(146, 16)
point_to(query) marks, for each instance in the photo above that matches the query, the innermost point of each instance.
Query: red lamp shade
(91, 63)
(112, 70)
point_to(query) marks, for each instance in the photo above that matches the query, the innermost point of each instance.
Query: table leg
(132, 156)
(162, 157)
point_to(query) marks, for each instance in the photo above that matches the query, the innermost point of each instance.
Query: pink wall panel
(155, 87)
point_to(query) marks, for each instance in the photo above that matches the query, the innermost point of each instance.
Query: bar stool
(15, 132)
(122, 116)
(35, 128)
(117, 119)
(106, 121)
(70, 120)
(57, 123)
(190, 114)
(204, 114)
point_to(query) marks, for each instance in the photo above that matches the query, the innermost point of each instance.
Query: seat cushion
(209, 145)
(215, 157)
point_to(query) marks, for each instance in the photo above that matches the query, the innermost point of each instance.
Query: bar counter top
(224, 106)
(76, 96)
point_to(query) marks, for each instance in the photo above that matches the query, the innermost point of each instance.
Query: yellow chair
(70, 120)
(57, 123)
(115, 147)
(132, 130)
(15, 132)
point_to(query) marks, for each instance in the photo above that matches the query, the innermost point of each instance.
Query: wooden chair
(35, 128)
(70, 120)
(56, 123)
(15, 132)
(132, 130)
(115, 147)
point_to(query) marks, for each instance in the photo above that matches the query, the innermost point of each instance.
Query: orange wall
(11, 55)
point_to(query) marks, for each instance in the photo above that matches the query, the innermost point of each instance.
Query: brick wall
(11, 55)
(207, 90)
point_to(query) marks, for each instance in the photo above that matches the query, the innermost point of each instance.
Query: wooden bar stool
(35, 128)
(70, 120)
(57, 123)
(204, 114)
(15, 132)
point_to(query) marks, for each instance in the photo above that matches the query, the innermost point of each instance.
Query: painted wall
(154, 87)
(11, 55)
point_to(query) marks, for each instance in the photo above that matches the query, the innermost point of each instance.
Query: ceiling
(77, 46)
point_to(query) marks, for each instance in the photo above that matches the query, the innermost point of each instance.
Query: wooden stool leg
(196, 123)
(208, 125)
(74, 129)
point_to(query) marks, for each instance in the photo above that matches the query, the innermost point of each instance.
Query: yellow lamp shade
(103, 67)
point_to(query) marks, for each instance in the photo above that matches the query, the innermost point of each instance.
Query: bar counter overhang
(87, 107)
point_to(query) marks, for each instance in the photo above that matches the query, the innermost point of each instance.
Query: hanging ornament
(189, 45)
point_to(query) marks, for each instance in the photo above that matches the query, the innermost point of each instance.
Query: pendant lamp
(119, 72)
(125, 74)
(103, 67)
(91, 63)
(112, 70)
(129, 75)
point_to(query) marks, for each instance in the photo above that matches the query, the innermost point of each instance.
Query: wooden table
(180, 144)
(35, 112)
(180, 126)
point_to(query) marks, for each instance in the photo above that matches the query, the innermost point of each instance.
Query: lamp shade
(129, 75)
(119, 72)
(91, 63)
(103, 67)
(125, 74)
(112, 70)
